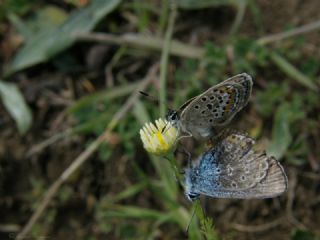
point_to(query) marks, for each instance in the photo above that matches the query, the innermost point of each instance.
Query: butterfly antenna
(153, 99)
(194, 211)
(164, 128)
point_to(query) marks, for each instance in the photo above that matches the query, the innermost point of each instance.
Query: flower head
(158, 138)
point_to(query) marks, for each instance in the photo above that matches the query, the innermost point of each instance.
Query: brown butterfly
(203, 115)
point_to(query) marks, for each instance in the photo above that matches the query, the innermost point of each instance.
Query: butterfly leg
(184, 136)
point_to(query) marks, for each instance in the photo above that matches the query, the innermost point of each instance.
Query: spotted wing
(232, 169)
(218, 105)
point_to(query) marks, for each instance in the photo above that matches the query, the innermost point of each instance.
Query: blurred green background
(69, 75)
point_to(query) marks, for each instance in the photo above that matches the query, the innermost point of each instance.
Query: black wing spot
(212, 97)
(234, 184)
(204, 99)
(196, 106)
(209, 106)
(243, 178)
(218, 170)
(210, 120)
(216, 115)
(203, 112)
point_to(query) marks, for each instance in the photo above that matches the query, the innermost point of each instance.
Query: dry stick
(9, 228)
(239, 17)
(146, 42)
(291, 197)
(294, 32)
(257, 228)
(86, 154)
(37, 148)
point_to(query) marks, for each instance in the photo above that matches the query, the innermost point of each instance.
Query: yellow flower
(159, 138)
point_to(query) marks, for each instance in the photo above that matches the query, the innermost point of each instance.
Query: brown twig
(291, 33)
(84, 156)
(146, 42)
(291, 197)
(257, 228)
(9, 228)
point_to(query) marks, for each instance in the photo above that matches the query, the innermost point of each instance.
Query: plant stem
(164, 61)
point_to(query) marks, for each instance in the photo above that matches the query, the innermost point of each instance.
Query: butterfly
(232, 169)
(203, 115)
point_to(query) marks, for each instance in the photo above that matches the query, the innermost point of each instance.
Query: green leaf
(303, 235)
(281, 135)
(46, 44)
(15, 104)
(43, 19)
(286, 115)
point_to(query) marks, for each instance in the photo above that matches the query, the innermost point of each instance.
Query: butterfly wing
(233, 170)
(216, 106)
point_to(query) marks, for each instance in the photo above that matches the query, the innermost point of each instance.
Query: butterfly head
(189, 182)
(192, 196)
(172, 116)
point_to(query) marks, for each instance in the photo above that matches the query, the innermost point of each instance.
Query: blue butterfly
(232, 169)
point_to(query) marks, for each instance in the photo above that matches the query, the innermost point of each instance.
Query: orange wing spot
(231, 101)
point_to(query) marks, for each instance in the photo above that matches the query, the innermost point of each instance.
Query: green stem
(179, 176)
(164, 61)
(205, 222)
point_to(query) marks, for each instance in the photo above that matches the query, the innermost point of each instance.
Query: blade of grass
(120, 211)
(128, 192)
(105, 95)
(291, 71)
